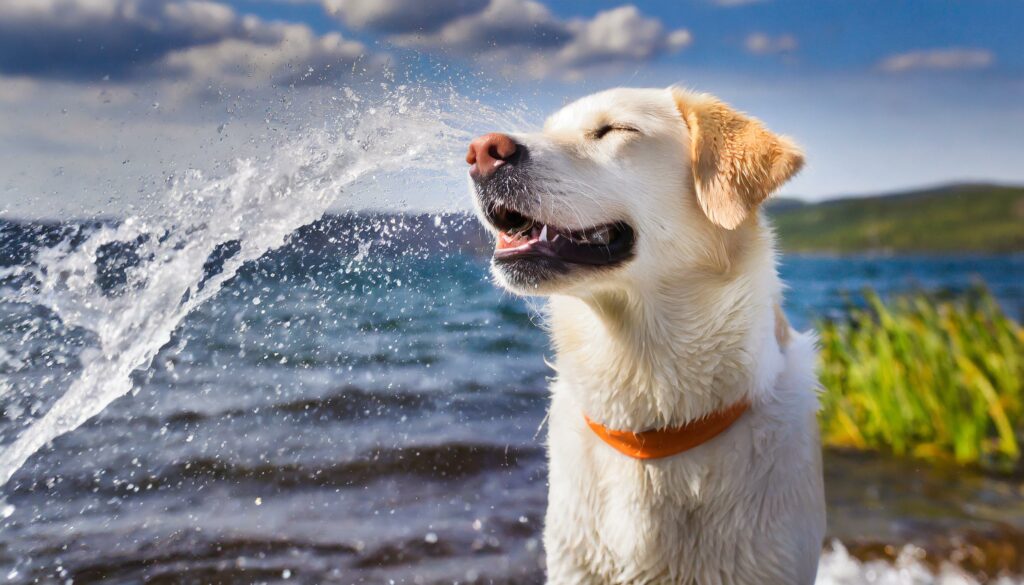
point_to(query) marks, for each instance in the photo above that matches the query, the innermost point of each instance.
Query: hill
(954, 218)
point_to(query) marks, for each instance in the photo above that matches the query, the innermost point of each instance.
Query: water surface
(363, 406)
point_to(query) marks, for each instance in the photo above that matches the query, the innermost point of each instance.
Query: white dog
(683, 442)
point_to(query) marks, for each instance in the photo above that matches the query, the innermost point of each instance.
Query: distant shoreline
(958, 220)
(952, 219)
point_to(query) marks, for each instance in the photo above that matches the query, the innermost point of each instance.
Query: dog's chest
(641, 507)
(639, 522)
(728, 511)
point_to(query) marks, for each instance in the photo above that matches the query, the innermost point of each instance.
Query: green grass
(927, 378)
(959, 218)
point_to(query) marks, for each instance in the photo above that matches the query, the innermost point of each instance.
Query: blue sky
(101, 99)
(833, 36)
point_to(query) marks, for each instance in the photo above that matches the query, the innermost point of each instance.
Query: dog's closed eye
(603, 131)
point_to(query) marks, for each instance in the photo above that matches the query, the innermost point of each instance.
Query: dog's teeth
(600, 236)
(506, 238)
(555, 238)
(544, 234)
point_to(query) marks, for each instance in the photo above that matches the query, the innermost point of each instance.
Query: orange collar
(667, 442)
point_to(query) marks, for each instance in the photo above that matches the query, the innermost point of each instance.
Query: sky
(102, 101)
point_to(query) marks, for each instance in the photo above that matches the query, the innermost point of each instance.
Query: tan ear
(737, 163)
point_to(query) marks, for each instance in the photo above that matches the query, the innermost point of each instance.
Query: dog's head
(622, 186)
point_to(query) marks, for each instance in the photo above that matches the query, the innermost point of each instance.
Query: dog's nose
(490, 151)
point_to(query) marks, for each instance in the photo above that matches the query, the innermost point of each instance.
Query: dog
(682, 435)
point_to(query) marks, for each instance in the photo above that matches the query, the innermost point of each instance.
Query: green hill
(956, 218)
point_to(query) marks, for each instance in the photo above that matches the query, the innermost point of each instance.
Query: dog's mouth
(523, 237)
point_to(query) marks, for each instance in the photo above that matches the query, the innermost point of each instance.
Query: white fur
(686, 327)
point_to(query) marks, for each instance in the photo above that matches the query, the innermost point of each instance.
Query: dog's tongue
(595, 246)
(507, 241)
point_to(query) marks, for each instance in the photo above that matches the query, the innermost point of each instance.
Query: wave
(348, 404)
(443, 462)
(191, 557)
(195, 557)
(352, 403)
(413, 550)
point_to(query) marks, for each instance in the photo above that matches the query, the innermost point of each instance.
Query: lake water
(363, 406)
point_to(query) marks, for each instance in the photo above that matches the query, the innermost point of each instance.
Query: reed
(924, 377)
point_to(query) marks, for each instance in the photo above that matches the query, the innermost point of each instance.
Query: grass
(956, 218)
(927, 378)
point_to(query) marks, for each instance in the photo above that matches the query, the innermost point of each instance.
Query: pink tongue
(538, 232)
(508, 241)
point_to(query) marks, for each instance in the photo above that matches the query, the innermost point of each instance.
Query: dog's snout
(490, 151)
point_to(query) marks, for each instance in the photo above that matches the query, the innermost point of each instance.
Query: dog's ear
(737, 163)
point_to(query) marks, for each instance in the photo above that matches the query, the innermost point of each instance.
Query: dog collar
(659, 443)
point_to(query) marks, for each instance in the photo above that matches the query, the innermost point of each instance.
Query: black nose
(489, 152)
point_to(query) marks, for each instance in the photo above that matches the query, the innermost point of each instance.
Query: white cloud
(286, 54)
(938, 59)
(764, 44)
(503, 24)
(615, 37)
(89, 39)
(180, 40)
(523, 38)
(401, 16)
(16, 89)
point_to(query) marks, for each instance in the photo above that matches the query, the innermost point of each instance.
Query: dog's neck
(675, 352)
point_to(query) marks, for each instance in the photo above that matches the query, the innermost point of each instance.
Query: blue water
(349, 414)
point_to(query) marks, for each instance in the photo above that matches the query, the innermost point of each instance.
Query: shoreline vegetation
(928, 378)
(975, 218)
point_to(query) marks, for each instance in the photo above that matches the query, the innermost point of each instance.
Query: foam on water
(242, 215)
(838, 567)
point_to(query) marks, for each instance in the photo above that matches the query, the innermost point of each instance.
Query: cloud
(90, 38)
(616, 37)
(938, 59)
(503, 24)
(401, 16)
(763, 44)
(294, 55)
(524, 38)
(125, 40)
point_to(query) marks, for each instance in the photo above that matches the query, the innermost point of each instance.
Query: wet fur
(691, 324)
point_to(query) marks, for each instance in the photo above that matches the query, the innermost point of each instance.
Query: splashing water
(238, 217)
(838, 567)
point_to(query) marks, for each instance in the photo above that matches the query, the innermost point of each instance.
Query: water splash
(233, 219)
(838, 567)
